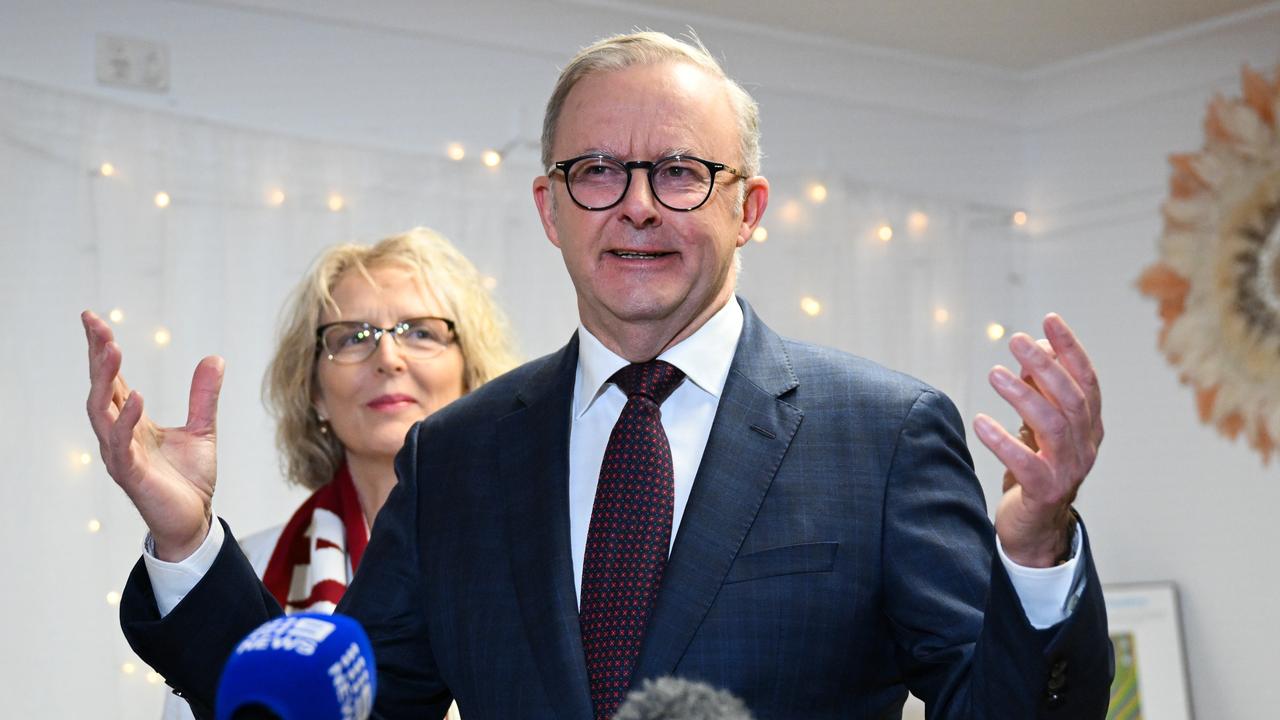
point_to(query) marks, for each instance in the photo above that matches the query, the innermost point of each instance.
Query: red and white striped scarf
(319, 549)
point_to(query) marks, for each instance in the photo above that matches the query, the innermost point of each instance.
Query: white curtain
(212, 269)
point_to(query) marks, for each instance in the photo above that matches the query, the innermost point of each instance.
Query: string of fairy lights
(917, 223)
(816, 193)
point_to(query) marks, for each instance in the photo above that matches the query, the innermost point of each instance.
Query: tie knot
(655, 379)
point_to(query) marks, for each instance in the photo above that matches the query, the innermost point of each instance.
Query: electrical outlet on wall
(132, 63)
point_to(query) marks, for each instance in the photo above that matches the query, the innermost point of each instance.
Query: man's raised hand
(168, 473)
(1058, 398)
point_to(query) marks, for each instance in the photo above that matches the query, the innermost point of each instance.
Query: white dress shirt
(1047, 594)
(687, 414)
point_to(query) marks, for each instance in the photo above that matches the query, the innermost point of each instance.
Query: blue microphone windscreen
(302, 667)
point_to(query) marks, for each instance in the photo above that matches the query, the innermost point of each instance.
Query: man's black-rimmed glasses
(679, 182)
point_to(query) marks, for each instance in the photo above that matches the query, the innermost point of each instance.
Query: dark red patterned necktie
(630, 533)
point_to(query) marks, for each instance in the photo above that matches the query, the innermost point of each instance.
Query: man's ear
(754, 201)
(544, 198)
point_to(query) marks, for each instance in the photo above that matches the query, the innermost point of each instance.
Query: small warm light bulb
(995, 331)
(106, 169)
(941, 315)
(885, 233)
(336, 202)
(113, 598)
(162, 199)
(491, 158)
(155, 678)
(490, 282)
(116, 315)
(93, 525)
(1020, 218)
(760, 234)
(818, 192)
(85, 458)
(810, 306)
(917, 222)
(455, 151)
(790, 211)
(128, 668)
(162, 337)
(275, 197)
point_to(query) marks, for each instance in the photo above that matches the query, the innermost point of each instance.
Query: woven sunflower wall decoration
(1218, 276)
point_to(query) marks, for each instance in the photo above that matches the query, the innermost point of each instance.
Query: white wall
(1081, 146)
(415, 76)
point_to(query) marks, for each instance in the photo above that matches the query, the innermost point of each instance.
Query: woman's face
(370, 405)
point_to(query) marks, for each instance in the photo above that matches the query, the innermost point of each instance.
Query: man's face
(639, 265)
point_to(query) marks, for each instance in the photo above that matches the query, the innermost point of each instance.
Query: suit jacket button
(1058, 668)
(1056, 682)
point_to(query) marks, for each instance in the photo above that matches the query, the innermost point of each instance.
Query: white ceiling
(1015, 35)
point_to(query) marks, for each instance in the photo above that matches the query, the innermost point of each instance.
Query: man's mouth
(637, 255)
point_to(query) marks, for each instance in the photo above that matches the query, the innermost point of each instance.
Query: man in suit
(824, 544)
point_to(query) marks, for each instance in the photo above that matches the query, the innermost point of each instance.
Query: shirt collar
(704, 357)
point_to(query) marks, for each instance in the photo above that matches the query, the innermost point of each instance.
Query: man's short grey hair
(650, 48)
(671, 698)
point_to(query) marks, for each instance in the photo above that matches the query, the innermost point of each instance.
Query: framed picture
(1151, 668)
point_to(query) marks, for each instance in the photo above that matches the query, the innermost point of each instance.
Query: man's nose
(639, 207)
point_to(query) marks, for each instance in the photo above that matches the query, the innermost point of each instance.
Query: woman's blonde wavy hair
(311, 457)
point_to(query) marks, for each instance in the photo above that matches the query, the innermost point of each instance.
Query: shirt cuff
(1048, 595)
(171, 581)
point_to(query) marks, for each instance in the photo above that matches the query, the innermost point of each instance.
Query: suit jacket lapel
(534, 464)
(749, 436)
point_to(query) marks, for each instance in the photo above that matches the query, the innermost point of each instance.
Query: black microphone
(300, 667)
(670, 698)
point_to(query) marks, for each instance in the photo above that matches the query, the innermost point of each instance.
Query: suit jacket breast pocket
(813, 557)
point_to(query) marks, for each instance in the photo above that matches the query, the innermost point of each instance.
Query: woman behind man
(373, 340)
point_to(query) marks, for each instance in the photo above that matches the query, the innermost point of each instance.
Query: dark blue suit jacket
(834, 552)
